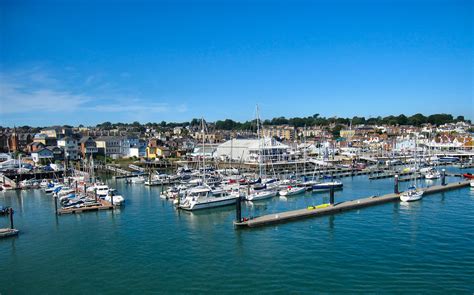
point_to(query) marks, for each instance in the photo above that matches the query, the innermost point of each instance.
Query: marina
(149, 225)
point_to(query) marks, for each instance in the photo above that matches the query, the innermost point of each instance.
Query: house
(157, 152)
(87, 146)
(283, 132)
(35, 146)
(70, 147)
(110, 146)
(43, 156)
(138, 150)
(127, 143)
(58, 153)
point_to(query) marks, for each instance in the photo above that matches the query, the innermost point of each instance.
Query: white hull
(118, 200)
(411, 196)
(262, 195)
(292, 191)
(217, 202)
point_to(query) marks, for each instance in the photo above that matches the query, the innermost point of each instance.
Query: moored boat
(411, 195)
(291, 191)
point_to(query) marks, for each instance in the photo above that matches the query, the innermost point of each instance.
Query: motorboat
(6, 187)
(136, 180)
(291, 191)
(468, 175)
(44, 183)
(53, 188)
(203, 197)
(411, 195)
(323, 186)
(101, 190)
(114, 197)
(432, 174)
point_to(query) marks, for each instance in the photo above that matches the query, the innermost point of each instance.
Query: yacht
(102, 190)
(412, 194)
(117, 199)
(203, 197)
(261, 195)
(291, 191)
(323, 186)
(432, 174)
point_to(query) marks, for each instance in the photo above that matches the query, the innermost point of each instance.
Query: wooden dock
(100, 205)
(326, 209)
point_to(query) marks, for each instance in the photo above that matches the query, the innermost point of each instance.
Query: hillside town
(166, 142)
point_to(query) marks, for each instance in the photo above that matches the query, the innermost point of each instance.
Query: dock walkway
(100, 205)
(326, 209)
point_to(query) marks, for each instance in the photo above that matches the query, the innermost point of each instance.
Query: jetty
(328, 209)
(99, 205)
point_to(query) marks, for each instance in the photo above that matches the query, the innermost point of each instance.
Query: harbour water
(426, 246)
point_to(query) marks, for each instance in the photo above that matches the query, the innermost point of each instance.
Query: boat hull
(211, 204)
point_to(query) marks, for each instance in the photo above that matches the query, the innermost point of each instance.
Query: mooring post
(112, 199)
(56, 204)
(443, 177)
(238, 210)
(11, 218)
(331, 195)
(395, 190)
(95, 194)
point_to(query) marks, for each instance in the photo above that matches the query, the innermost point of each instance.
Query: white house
(70, 147)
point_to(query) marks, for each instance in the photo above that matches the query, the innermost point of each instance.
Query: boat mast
(203, 154)
(259, 145)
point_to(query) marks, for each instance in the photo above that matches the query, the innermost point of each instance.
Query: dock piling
(238, 210)
(11, 218)
(331, 195)
(443, 177)
(56, 204)
(395, 190)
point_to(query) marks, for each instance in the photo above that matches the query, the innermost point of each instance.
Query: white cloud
(36, 91)
(18, 98)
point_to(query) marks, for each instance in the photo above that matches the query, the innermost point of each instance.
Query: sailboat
(412, 194)
(203, 196)
(265, 192)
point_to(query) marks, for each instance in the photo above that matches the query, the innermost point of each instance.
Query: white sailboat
(412, 194)
(268, 191)
(291, 191)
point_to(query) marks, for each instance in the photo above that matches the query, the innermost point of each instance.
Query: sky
(86, 62)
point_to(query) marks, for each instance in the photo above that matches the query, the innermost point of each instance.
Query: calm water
(148, 246)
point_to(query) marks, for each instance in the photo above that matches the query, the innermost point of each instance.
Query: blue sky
(73, 62)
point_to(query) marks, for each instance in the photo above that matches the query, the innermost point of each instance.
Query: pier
(100, 205)
(328, 209)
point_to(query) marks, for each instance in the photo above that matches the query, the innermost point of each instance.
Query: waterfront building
(248, 150)
(70, 147)
(87, 147)
(43, 155)
(109, 146)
